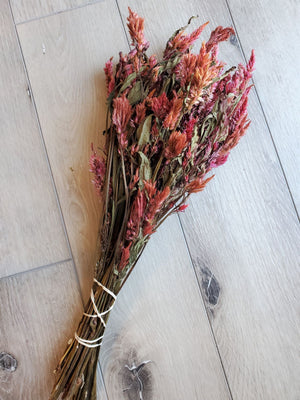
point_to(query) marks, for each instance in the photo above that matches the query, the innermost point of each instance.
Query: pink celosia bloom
(136, 216)
(109, 76)
(140, 112)
(120, 117)
(220, 34)
(154, 206)
(98, 168)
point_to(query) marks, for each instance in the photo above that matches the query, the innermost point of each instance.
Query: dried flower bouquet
(169, 123)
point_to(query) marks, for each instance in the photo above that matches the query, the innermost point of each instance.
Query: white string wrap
(93, 343)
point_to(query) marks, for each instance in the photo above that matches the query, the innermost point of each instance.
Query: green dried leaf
(136, 93)
(130, 78)
(128, 81)
(143, 132)
(145, 168)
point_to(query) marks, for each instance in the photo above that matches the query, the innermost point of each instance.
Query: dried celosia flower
(136, 31)
(120, 117)
(110, 79)
(176, 144)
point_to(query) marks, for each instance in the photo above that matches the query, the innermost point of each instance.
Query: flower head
(176, 144)
(109, 76)
(120, 117)
(182, 42)
(197, 185)
(98, 168)
(136, 31)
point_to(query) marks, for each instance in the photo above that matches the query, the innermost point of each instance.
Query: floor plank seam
(58, 12)
(46, 155)
(264, 114)
(206, 310)
(35, 269)
(122, 23)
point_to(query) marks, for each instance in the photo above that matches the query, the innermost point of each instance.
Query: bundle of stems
(169, 123)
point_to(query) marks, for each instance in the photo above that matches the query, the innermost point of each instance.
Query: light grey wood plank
(159, 316)
(31, 232)
(39, 313)
(242, 229)
(272, 29)
(24, 10)
(101, 392)
(65, 55)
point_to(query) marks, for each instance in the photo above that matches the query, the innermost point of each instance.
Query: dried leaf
(135, 94)
(143, 132)
(145, 168)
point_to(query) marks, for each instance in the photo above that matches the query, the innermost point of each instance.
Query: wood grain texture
(24, 10)
(244, 236)
(272, 29)
(159, 316)
(39, 313)
(31, 232)
(65, 55)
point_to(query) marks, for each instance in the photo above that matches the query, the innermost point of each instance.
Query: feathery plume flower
(176, 144)
(120, 117)
(136, 31)
(174, 112)
(109, 76)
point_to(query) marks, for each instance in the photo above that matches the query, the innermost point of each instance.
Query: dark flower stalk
(169, 123)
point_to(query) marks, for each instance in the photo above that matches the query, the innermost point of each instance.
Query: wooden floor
(213, 303)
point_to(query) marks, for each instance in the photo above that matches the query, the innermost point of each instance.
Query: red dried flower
(182, 208)
(160, 105)
(125, 254)
(176, 144)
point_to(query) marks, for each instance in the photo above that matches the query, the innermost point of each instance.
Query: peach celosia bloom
(197, 185)
(174, 112)
(182, 42)
(136, 31)
(177, 142)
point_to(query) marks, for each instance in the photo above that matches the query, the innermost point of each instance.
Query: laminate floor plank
(31, 230)
(38, 314)
(65, 55)
(26, 10)
(272, 29)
